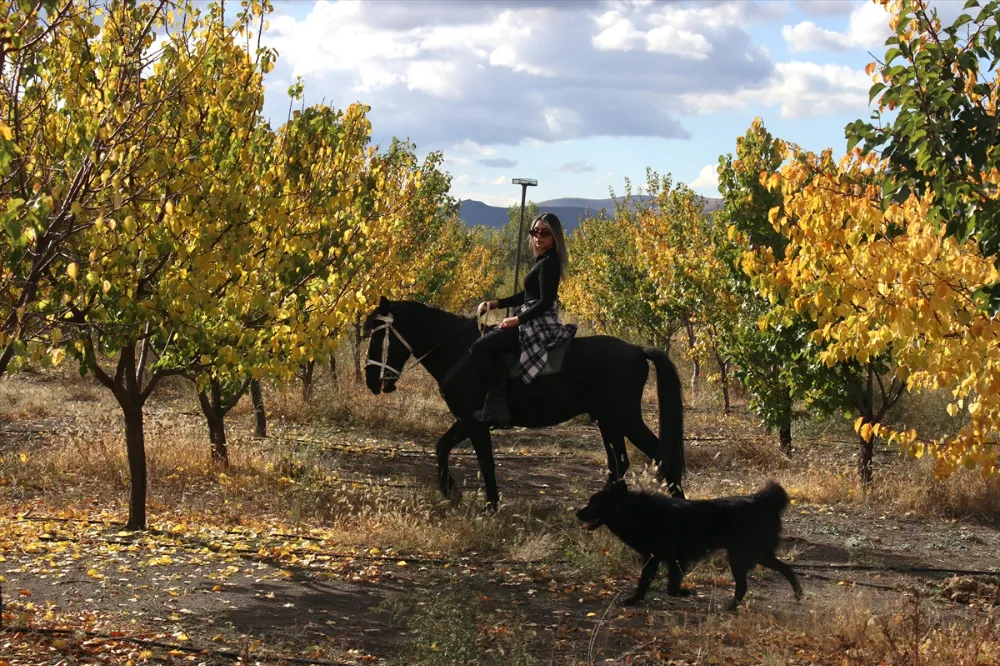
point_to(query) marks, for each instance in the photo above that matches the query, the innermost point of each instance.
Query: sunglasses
(540, 233)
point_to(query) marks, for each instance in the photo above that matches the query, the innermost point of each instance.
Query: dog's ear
(619, 487)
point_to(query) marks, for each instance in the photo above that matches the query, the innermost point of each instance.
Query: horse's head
(387, 353)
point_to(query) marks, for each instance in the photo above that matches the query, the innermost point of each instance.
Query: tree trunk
(866, 407)
(865, 451)
(696, 373)
(5, 358)
(260, 413)
(212, 408)
(724, 371)
(357, 351)
(333, 372)
(785, 427)
(135, 443)
(306, 373)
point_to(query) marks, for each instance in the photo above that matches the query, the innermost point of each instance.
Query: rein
(383, 365)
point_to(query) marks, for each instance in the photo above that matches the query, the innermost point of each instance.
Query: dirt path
(265, 592)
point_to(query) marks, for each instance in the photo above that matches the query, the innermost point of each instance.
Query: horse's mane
(437, 315)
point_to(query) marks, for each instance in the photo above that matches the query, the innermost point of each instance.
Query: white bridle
(384, 364)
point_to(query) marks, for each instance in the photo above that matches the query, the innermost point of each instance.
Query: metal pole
(520, 239)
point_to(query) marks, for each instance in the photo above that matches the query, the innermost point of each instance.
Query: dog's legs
(649, 570)
(674, 576)
(772, 562)
(739, 567)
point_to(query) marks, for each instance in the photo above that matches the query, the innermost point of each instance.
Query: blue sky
(580, 94)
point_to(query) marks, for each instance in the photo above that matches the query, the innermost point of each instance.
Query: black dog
(679, 532)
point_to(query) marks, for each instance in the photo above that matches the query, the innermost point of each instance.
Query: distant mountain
(569, 210)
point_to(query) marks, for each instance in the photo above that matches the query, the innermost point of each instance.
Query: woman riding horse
(535, 326)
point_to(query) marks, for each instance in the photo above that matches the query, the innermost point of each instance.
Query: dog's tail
(773, 497)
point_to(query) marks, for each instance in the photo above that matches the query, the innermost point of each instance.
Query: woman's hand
(510, 322)
(486, 306)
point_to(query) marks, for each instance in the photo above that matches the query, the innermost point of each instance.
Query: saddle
(553, 362)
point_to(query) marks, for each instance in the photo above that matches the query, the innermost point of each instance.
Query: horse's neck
(443, 337)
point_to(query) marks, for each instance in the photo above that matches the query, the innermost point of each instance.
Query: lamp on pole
(525, 183)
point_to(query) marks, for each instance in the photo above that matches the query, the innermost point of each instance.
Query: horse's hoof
(450, 490)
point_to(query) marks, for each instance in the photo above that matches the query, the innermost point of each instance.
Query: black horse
(601, 376)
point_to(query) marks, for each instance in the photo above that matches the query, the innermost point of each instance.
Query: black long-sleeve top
(541, 285)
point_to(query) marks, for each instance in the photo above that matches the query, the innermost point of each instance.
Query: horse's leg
(644, 440)
(455, 434)
(479, 433)
(614, 446)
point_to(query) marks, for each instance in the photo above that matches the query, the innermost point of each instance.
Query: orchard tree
(607, 286)
(889, 293)
(63, 134)
(777, 364)
(939, 83)
(338, 224)
(158, 247)
(677, 250)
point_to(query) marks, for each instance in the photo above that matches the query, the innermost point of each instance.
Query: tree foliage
(939, 84)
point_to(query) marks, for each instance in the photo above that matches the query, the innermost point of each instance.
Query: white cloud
(807, 36)
(867, 28)
(618, 34)
(470, 146)
(579, 166)
(707, 180)
(667, 39)
(827, 7)
(502, 180)
(434, 77)
(801, 89)
(500, 72)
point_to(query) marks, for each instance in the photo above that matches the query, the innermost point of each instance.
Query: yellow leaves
(159, 561)
(6, 132)
(73, 270)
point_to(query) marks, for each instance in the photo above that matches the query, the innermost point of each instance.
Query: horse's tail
(671, 406)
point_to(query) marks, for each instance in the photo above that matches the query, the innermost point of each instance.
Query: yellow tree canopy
(887, 283)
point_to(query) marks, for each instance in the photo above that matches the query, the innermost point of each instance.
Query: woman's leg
(487, 351)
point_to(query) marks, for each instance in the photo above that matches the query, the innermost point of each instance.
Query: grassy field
(328, 543)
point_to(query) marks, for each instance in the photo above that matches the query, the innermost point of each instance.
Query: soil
(376, 610)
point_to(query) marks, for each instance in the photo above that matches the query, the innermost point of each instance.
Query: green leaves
(943, 137)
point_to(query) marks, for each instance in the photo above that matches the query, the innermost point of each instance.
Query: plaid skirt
(537, 336)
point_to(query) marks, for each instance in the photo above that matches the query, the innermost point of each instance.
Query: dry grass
(81, 463)
(852, 629)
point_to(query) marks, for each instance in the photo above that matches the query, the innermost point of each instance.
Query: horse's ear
(383, 303)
